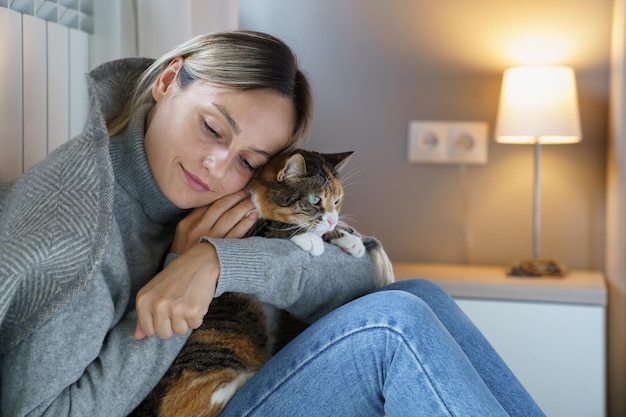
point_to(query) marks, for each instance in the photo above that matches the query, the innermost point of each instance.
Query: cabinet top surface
(492, 282)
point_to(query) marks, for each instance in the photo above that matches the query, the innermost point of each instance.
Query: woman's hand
(177, 298)
(229, 217)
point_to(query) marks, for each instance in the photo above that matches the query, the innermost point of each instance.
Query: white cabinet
(550, 331)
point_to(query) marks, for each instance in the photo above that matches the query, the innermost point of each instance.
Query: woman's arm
(280, 273)
(276, 271)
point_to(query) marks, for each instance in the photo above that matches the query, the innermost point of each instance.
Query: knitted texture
(55, 220)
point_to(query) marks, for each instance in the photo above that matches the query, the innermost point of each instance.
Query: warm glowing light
(540, 48)
(538, 104)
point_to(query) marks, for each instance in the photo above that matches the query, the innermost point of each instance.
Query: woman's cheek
(236, 183)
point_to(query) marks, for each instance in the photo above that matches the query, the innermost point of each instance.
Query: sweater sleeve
(79, 364)
(278, 272)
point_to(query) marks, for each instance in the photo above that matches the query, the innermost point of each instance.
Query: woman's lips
(194, 182)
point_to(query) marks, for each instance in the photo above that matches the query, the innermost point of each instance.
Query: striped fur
(218, 358)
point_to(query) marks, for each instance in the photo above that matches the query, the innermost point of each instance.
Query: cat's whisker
(287, 227)
(310, 226)
(350, 174)
(354, 183)
(347, 218)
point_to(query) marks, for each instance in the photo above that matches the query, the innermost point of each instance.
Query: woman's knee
(429, 292)
(418, 287)
(390, 308)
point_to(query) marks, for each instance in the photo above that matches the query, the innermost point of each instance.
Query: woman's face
(204, 142)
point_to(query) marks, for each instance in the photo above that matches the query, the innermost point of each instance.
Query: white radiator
(44, 56)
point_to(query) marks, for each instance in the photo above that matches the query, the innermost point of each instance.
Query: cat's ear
(295, 167)
(338, 160)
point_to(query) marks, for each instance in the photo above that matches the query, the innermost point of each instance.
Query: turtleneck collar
(132, 171)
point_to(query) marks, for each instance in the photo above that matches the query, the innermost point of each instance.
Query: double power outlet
(443, 142)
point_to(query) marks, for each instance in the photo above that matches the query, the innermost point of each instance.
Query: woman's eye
(314, 199)
(210, 130)
(248, 165)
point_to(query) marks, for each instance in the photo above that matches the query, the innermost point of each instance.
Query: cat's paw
(351, 244)
(310, 243)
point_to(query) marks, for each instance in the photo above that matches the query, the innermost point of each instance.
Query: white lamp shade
(538, 104)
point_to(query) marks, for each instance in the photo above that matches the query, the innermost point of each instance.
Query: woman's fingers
(145, 329)
(225, 216)
(229, 217)
(180, 326)
(163, 327)
(241, 228)
(166, 326)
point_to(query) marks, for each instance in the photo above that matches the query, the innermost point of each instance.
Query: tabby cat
(298, 196)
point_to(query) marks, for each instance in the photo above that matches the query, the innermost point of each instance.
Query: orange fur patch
(190, 395)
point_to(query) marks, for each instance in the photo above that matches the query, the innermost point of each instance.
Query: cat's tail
(384, 269)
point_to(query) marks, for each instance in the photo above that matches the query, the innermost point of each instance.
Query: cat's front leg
(309, 242)
(352, 244)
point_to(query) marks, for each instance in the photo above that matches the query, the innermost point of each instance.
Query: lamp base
(533, 268)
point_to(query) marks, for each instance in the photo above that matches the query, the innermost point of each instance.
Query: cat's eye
(337, 201)
(314, 199)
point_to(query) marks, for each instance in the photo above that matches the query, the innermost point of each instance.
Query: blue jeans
(405, 350)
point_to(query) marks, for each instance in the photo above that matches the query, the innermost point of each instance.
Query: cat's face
(302, 189)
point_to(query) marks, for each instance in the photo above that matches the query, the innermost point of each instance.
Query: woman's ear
(166, 79)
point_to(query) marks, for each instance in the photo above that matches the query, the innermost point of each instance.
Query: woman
(154, 184)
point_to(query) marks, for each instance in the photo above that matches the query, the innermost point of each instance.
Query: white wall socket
(444, 142)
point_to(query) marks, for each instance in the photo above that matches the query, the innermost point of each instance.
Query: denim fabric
(406, 350)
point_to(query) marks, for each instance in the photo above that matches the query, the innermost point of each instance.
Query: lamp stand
(537, 267)
(536, 201)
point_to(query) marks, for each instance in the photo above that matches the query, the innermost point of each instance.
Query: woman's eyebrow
(261, 152)
(228, 117)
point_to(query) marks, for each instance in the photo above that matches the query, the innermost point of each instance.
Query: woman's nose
(217, 163)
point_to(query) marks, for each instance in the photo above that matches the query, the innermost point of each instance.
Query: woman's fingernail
(252, 214)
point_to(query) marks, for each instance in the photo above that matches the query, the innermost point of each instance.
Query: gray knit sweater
(79, 235)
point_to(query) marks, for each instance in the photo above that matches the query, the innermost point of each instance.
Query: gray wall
(376, 65)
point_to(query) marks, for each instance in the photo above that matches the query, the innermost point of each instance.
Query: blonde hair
(238, 60)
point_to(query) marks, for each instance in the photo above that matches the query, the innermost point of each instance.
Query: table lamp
(538, 105)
